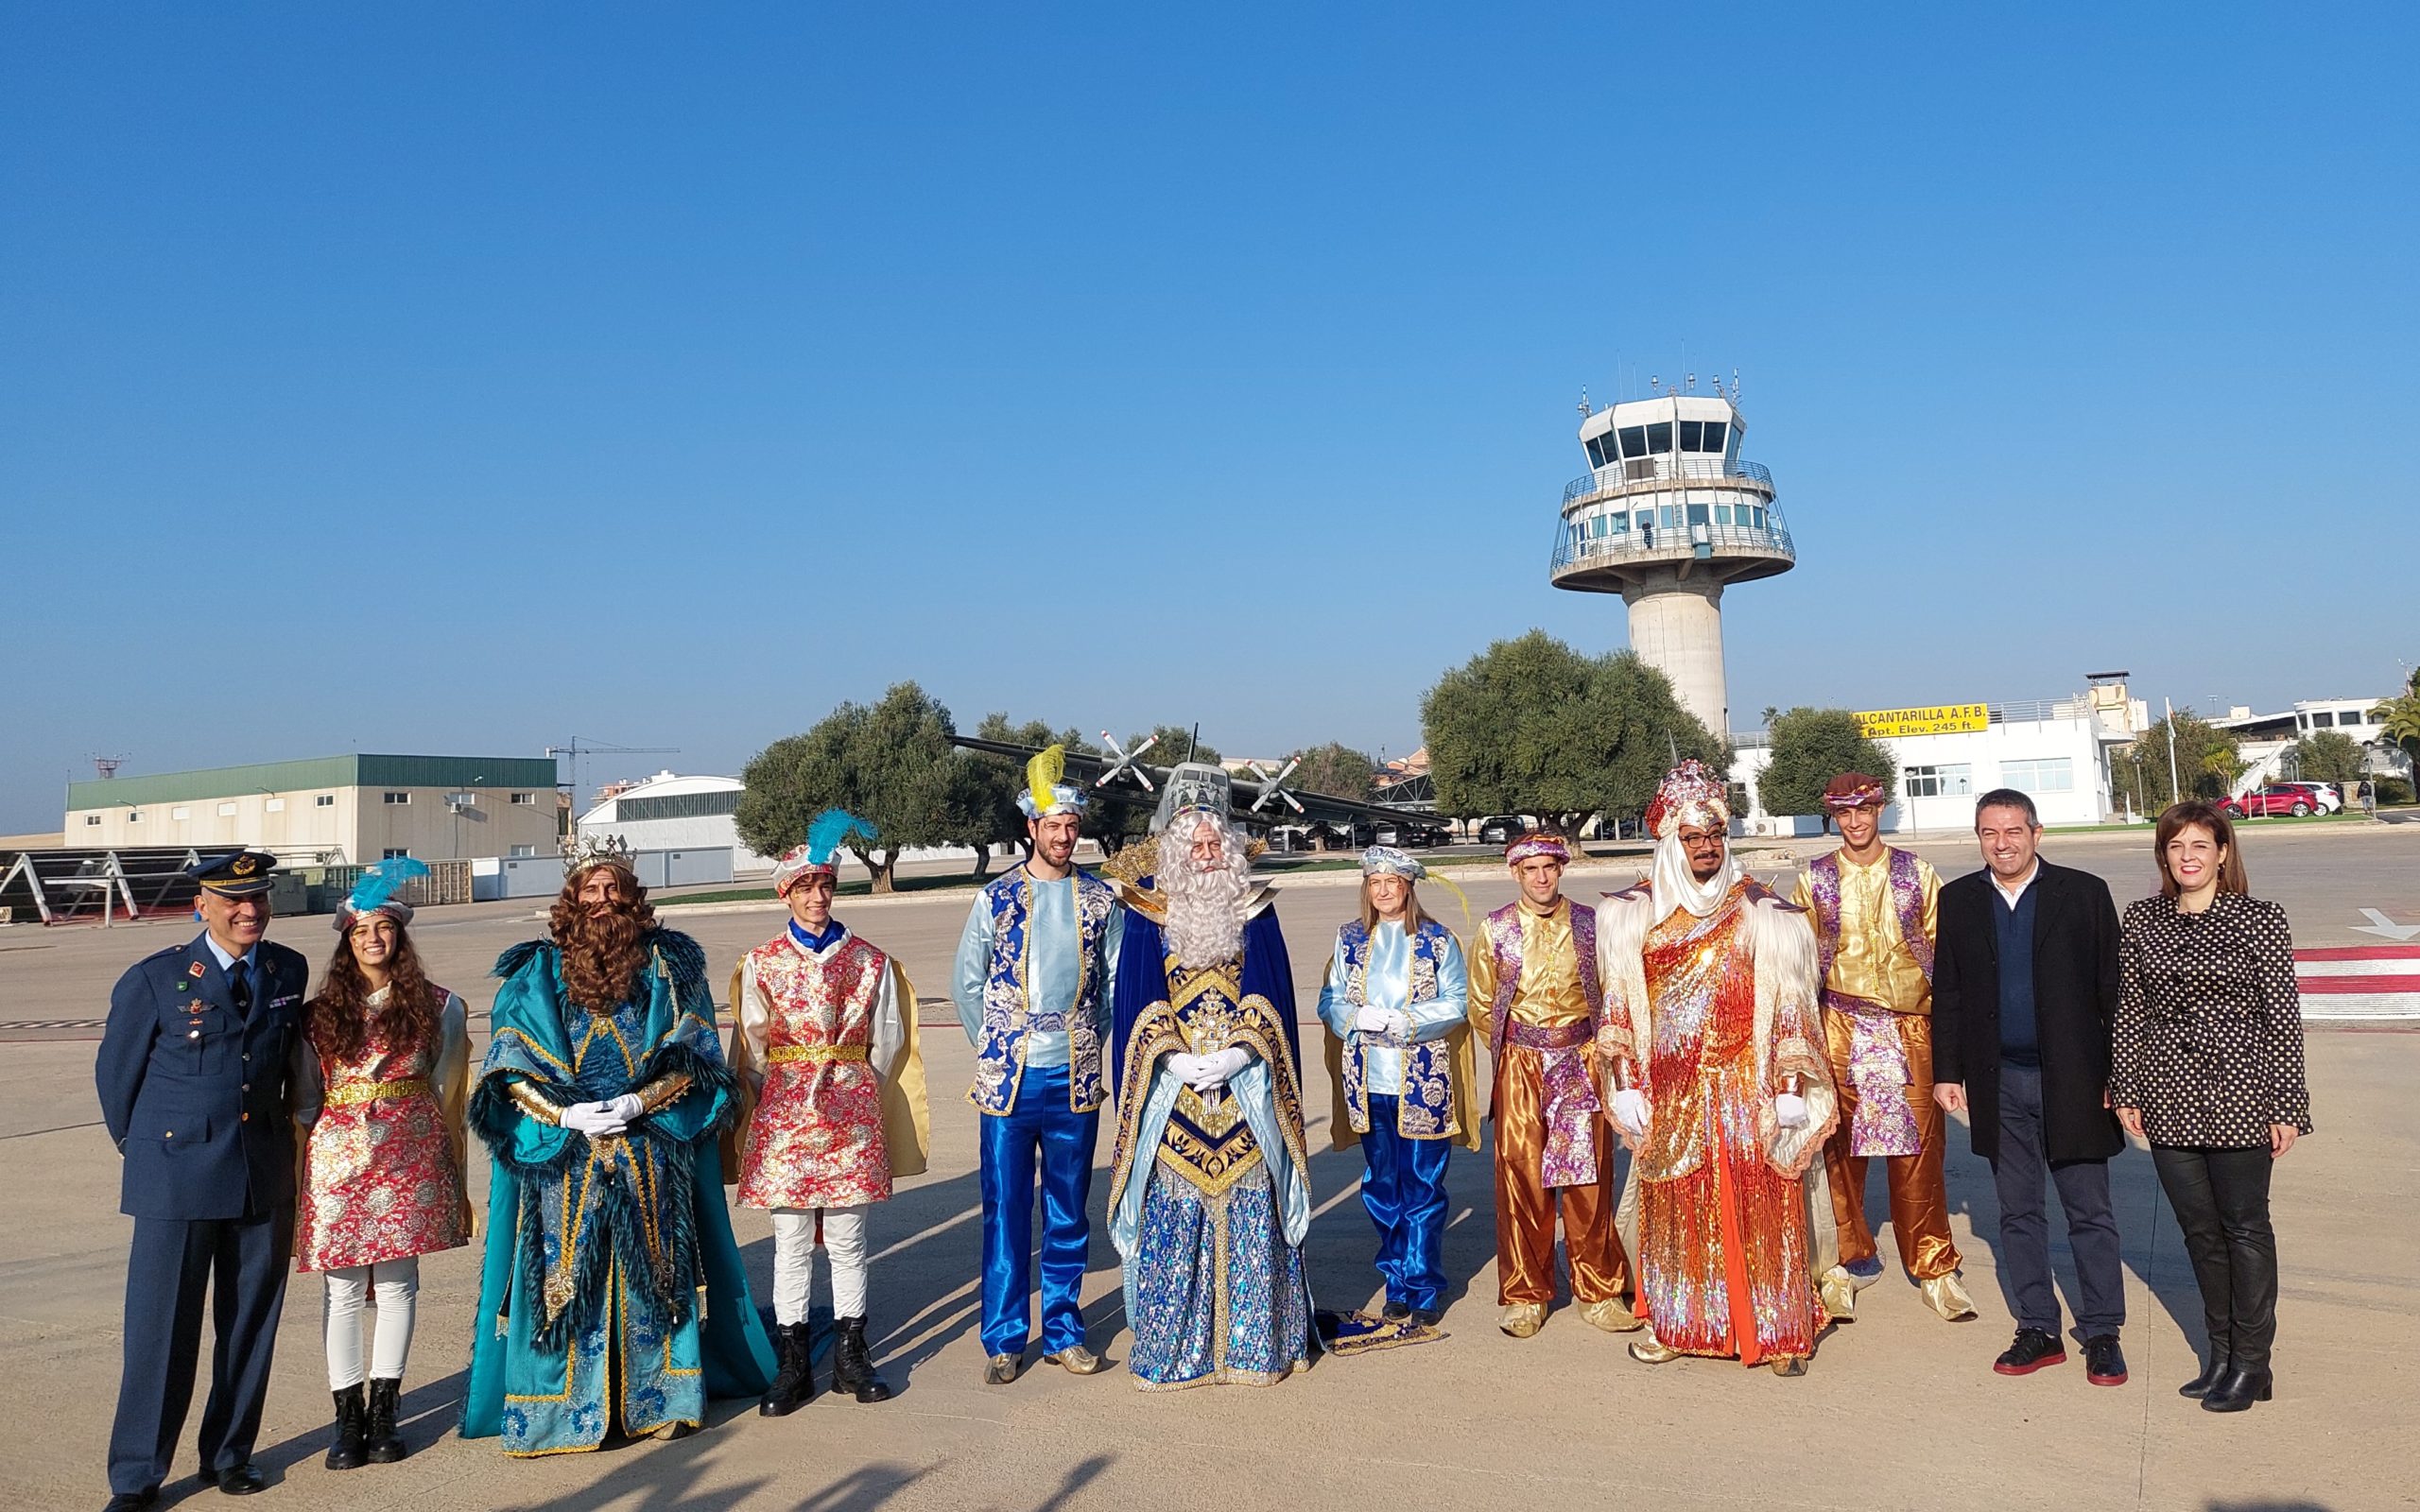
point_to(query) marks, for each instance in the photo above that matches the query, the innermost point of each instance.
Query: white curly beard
(1205, 909)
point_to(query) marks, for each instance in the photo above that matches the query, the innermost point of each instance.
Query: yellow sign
(1940, 719)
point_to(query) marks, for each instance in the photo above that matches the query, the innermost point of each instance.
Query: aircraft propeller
(1274, 786)
(1126, 760)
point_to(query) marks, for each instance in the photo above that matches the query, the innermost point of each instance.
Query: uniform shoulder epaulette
(165, 952)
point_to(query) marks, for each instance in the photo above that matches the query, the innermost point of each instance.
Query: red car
(2278, 798)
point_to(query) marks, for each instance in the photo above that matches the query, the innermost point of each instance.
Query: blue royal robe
(1209, 1200)
(611, 1287)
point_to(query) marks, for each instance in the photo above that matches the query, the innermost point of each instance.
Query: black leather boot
(853, 1363)
(794, 1382)
(383, 1444)
(2237, 1390)
(346, 1452)
(2214, 1369)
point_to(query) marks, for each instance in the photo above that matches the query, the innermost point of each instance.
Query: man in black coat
(197, 1086)
(2025, 985)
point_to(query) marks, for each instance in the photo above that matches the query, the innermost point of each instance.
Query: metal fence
(1664, 470)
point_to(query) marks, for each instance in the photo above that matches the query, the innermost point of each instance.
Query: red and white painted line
(2359, 982)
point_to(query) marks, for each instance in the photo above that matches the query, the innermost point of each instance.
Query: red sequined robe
(383, 1168)
(1717, 1013)
(826, 1043)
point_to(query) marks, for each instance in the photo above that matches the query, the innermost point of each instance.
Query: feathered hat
(1386, 861)
(378, 890)
(1046, 789)
(1689, 794)
(826, 833)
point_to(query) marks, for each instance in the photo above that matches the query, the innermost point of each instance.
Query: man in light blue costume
(1396, 1003)
(611, 1293)
(1210, 1190)
(1035, 971)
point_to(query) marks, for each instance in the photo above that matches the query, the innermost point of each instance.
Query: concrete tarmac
(1900, 1409)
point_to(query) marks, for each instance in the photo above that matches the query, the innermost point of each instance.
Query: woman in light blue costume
(1395, 1003)
(612, 1291)
(1210, 1190)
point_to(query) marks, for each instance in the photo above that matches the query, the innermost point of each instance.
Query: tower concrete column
(1676, 627)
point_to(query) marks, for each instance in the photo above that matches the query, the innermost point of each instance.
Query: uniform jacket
(197, 1097)
(2075, 999)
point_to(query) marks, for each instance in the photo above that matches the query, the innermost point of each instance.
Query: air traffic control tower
(1668, 516)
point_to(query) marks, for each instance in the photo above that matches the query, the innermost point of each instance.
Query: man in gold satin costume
(1535, 999)
(1873, 908)
(1712, 1037)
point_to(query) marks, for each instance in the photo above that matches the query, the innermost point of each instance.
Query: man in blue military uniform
(197, 1077)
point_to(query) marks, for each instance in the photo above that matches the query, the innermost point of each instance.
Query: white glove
(1398, 1024)
(1631, 1111)
(1370, 1021)
(592, 1119)
(1214, 1071)
(628, 1106)
(1184, 1067)
(1790, 1111)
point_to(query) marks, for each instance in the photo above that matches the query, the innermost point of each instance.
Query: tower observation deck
(1668, 516)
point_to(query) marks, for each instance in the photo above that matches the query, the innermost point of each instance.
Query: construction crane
(580, 745)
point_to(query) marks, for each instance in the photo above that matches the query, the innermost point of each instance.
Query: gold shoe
(1076, 1360)
(1612, 1316)
(1839, 1291)
(1523, 1320)
(1000, 1370)
(1652, 1350)
(1790, 1364)
(1946, 1296)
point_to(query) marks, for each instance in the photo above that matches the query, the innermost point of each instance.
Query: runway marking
(2358, 982)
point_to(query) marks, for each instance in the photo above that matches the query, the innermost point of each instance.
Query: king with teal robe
(611, 1290)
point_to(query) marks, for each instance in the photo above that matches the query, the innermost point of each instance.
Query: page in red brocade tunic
(382, 1170)
(1722, 1236)
(829, 1031)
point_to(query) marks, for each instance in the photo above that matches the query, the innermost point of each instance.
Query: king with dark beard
(612, 1294)
(1210, 1189)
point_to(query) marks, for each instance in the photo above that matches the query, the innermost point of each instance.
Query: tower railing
(1669, 544)
(1663, 469)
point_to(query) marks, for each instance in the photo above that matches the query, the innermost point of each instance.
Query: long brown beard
(604, 953)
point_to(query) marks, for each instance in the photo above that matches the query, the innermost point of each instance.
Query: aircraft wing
(1317, 807)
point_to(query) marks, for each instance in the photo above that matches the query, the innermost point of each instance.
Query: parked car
(2278, 798)
(1411, 834)
(1499, 829)
(2330, 798)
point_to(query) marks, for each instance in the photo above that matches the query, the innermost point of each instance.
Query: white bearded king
(1722, 1087)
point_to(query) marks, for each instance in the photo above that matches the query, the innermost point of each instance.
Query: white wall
(1987, 755)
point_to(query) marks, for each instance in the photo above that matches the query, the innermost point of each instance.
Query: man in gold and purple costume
(1533, 998)
(1873, 910)
(1712, 1038)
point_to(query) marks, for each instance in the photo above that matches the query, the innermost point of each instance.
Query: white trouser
(396, 1284)
(844, 1246)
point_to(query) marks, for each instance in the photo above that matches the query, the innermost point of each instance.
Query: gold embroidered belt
(785, 1055)
(355, 1093)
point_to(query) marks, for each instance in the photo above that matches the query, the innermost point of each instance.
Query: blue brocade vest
(1008, 1014)
(1426, 1108)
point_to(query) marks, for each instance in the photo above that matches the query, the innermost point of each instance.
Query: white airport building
(670, 813)
(2264, 740)
(2056, 750)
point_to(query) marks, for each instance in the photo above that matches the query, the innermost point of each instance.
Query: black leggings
(2221, 1202)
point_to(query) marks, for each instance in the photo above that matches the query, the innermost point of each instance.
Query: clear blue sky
(456, 379)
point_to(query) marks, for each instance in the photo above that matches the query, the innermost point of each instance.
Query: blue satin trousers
(1043, 1130)
(1404, 1189)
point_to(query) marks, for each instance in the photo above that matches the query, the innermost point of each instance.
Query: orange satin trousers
(1526, 1207)
(1919, 1201)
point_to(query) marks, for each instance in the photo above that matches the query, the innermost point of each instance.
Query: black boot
(853, 1363)
(2214, 1369)
(345, 1453)
(384, 1445)
(794, 1382)
(2237, 1390)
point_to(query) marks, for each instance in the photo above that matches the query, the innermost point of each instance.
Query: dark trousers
(1404, 1190)
(1041, 1128)
(2025, 1222)
(243, 1263)
(2221, 1202)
